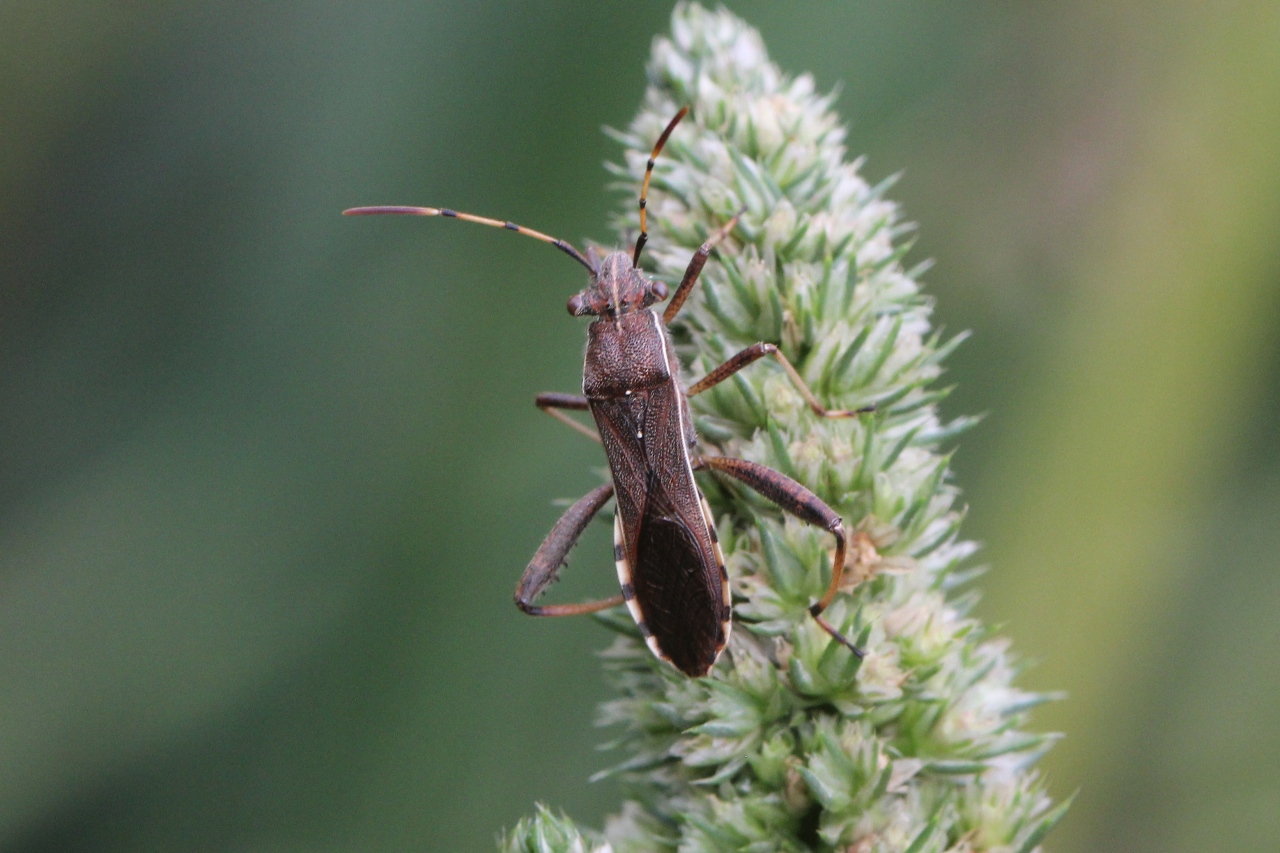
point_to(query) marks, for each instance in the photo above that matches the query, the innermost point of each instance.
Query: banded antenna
(470, 217)
(644, 188)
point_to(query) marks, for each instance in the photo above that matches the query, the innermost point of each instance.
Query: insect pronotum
(668, 559)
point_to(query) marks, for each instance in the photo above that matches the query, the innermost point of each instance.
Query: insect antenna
(644, 188)
(470, 217)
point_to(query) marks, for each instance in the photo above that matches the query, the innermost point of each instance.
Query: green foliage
(793, 744)
(547, 832)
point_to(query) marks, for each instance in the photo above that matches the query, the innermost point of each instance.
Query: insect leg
(696, 263)
(804, 505)
(545, 565)
(552, 403)
(759, 351)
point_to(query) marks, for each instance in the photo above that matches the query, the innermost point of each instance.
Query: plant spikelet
(792, 743)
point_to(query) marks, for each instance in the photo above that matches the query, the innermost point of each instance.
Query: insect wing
(684, 618)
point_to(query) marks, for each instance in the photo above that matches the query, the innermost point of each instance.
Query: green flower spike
(792, 743)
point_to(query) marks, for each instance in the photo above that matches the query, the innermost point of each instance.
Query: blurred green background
(268, 476)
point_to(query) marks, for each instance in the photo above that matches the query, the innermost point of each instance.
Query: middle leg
(754, 353)
(552, 403)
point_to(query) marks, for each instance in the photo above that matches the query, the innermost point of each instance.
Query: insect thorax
(626, 354)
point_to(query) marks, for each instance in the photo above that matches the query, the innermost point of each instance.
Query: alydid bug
(665, 547)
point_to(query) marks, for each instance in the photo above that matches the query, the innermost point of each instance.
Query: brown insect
(665, 547)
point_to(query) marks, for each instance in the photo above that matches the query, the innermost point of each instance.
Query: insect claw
(836, 635)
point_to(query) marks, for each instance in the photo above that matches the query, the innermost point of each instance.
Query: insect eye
(658, 289)
(575, 304)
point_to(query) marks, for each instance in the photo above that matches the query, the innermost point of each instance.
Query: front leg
(804, 505)
(545, 565)
(552, 403)
(755, 352)
(696, 263)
